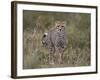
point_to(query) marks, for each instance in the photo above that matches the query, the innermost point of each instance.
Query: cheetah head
(60, 25)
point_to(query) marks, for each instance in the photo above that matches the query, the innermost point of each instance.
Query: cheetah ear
(57, 22)
(64, 22)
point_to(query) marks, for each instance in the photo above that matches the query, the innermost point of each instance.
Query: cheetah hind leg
(51, 60)
(56, 58)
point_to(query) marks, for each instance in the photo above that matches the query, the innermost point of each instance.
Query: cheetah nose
(60, 29)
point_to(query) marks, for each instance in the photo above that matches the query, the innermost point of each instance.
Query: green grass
(77, 52)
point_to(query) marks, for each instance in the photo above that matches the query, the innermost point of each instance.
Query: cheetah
(55, 41)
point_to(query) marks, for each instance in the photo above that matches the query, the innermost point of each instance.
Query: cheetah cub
(55, 41)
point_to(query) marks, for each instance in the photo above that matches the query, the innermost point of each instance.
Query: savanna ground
(77, 52)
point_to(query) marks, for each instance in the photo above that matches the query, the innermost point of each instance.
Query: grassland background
(77, 52)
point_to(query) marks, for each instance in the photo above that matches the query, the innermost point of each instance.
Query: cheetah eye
(62, 26)
(57, 26)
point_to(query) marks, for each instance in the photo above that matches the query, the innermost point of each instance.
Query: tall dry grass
(77, 52)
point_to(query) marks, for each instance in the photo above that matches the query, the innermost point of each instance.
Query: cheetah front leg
(59, 55)
(60, 58)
